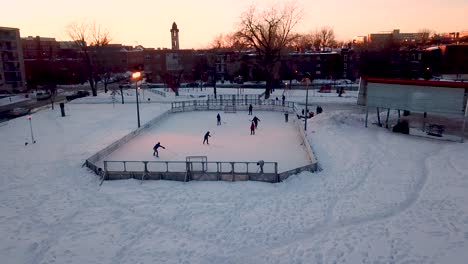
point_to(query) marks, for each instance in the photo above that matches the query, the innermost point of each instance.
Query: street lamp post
(136, 76)
(307, 79)
(30, 125)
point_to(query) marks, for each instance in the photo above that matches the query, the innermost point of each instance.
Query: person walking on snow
(283, 98)
(252, 129)
(205, 138)
(218, 117)
(155, 149)
(250, 109)
(256, 120)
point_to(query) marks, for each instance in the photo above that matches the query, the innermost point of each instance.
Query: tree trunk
(121, 93)
(93, 87)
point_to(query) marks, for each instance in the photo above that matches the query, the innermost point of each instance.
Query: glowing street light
(136, 76)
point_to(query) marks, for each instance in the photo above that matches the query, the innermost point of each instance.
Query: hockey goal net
(197, 163)
(229, 109)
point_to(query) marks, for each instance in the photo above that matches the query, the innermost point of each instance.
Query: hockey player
(155, 149)
(218, 117)
(205, 138)
(252, 128)
(256, 120)
(260, 164)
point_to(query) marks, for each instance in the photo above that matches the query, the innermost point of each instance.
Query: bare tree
(90, 38)
(268, 32)
(302, 42)
(325, 37)
(425, 34)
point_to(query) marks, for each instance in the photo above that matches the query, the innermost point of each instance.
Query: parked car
(42, 96)
(125, 85)
(18, 111)
(78, 94)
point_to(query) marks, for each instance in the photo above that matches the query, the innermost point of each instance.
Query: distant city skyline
(148, 22)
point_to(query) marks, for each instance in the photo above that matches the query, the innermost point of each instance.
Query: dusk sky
(147, 22)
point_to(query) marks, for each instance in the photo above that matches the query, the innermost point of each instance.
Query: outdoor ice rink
(182, 135)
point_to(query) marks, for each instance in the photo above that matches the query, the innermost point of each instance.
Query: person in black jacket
(250, 109)
(155, 149)
(218, 117)
(256, 120)
(205, 138)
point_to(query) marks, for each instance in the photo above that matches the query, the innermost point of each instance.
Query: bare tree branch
(269, 32)
(89, 38)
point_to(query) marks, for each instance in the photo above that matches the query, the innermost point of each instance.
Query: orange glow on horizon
(201, 21)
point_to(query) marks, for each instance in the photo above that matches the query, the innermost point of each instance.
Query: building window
(345, 57)
(318, 65)
(345, 66)
(317, 72)
(318, 58)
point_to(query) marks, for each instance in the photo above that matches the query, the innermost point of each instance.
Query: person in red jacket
(252, 128)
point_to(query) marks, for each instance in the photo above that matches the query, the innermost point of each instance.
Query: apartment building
(12, 74)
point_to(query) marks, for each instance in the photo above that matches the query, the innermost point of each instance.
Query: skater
(155, 149)
(283, 99)
(319, 109)
(256, 120)
(250, 109)
(218, 117)
(252, 128)
(205, 138)
(260, 164)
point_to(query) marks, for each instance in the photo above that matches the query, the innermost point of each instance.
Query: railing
(242, 103)
(198, 170)
(163, 94)
(192, 170)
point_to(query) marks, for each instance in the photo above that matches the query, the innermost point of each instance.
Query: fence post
(232, 170)
(146, 170)
(276, 172)
(125, 166)
(105, 171)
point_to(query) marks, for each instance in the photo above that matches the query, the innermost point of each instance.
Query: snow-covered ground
(380, 198)
(13, 99)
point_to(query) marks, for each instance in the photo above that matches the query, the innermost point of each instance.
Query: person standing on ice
(155, 149)
(256, 120)
(260, 164)
(218, 117)
(250, 109)
(205, 138)
(252, 129)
